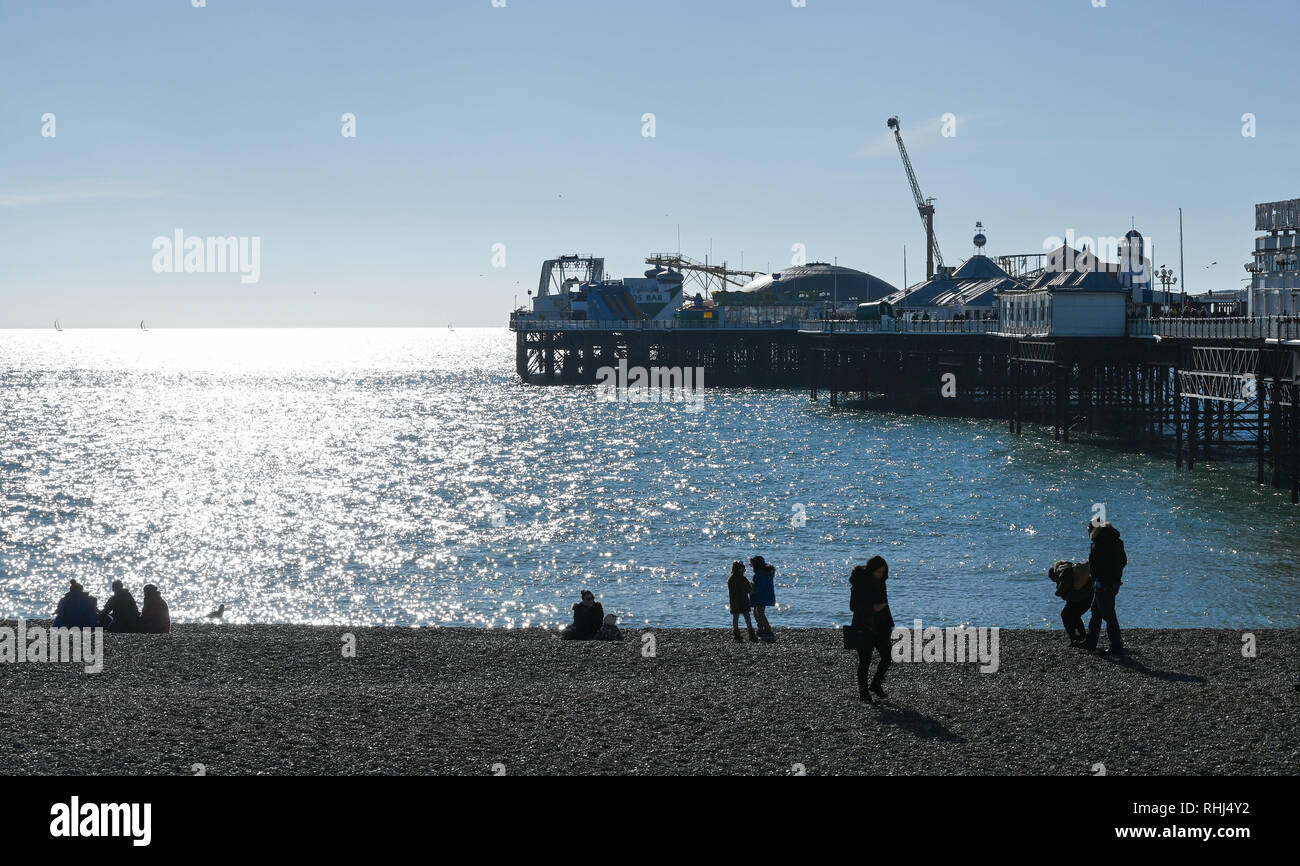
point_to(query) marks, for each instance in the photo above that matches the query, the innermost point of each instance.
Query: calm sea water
(406, 477)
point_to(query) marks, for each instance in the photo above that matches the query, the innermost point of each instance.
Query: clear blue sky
(522, 126)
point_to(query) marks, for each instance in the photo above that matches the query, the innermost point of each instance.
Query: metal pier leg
(1295, 450)
(1178, 418)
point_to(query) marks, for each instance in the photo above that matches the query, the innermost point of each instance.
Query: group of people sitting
(590, 622)
(1093, 584)
(78, 609)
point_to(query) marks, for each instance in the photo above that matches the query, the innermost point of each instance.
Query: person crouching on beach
(1106, 560)
(739, 588)
(1074, 587)
(121, 613)
(869, 602)
(588, 616)
(764, 594)
(155, 618)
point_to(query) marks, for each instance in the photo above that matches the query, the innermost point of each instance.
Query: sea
(408, 478)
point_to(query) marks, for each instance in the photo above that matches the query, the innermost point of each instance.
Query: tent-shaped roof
(973, 284)
(979, 268)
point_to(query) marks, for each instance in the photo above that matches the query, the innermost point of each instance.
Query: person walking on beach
(763, 596)
(121, 613)
(588, 616)
(155, 618)
(76, 609)
(1106, 560)
(739, 588)
(869, 601)
(1074, 586)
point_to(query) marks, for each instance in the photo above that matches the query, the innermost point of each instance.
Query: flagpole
(1182, 270)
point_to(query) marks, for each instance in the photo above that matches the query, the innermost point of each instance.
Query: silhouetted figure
(763, 595)
(121, 613)
(76, 609)
(738, 590)
(869, 602)
(219, 612)
(1074, 586)
(587, 618)
(609, 629)
(155, 618)
(1106, 561)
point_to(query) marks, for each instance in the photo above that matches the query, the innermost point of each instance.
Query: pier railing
(825, 326)
(902, 326)
(1284, 328)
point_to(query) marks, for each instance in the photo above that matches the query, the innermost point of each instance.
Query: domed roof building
(815, 284)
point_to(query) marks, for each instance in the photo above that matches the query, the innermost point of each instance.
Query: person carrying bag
(872, 626)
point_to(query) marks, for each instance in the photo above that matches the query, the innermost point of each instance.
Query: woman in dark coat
(739, 588)
(588, 616)
(764, 594)
(869, 602)
(1106, 561)
(155, 618)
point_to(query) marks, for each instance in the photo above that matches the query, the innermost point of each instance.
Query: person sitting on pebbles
(155, 618)
(588, 616)
(609, 629)
(76, 609)
(121, 613)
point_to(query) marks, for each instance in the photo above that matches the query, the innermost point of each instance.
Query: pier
(1218, 388)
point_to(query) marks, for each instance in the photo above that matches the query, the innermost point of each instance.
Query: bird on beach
(216, 614)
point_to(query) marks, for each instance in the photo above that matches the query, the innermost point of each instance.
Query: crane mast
(924, 206)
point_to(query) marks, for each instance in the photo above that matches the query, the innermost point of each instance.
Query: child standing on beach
(764, 594)
(739, 588)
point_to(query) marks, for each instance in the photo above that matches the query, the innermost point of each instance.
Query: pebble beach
(279, 699)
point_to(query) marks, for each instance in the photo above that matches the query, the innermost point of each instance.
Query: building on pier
(970, 290)
(1275, 270)
(1077, 295)
(816, 287)
(1136, 273)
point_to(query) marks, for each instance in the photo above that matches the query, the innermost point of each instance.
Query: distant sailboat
(142, 327)
(56, 325)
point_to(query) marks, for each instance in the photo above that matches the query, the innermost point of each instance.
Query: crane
(924, 206)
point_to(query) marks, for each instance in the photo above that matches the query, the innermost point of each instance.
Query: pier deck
(1201, 388)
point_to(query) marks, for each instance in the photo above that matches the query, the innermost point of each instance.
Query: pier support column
(1176, 395)
(1295, 450)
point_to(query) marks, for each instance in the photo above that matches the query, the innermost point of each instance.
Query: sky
(489, 137)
